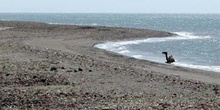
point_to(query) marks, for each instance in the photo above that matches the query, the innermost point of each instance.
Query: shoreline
(118, 44)
(44, 65)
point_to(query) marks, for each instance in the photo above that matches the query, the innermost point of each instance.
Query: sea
(195, 45)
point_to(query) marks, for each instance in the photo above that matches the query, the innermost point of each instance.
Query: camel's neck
(166, 57)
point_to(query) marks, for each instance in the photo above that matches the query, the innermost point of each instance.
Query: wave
(121, 46)
(202, 67)
(187, 35)
(180, 36)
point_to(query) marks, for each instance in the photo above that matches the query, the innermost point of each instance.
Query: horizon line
(97, 13)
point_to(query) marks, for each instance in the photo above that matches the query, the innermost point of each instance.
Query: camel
(169, 59)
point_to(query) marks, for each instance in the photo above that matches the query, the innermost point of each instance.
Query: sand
(47, 66)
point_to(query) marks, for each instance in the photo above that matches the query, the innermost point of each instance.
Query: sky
(110, 6)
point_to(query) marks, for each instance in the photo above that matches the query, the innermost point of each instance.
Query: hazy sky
(111, 6)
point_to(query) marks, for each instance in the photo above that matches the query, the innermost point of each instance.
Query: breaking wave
(180, 36)
(120, 47)
(202, 67)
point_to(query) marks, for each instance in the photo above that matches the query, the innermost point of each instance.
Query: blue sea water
(196, 45)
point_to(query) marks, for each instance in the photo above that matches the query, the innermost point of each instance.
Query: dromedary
(169, 59)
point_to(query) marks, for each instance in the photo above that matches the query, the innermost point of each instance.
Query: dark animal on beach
(169, 59)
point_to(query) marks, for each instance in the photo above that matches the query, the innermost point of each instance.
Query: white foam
(137, 56)
(103, 46)
(187, 35)
(124, 52)
(94, 24)
(202, 67)
(180, 36)
(120, 47)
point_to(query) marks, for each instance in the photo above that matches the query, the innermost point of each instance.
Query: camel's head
(164, 52)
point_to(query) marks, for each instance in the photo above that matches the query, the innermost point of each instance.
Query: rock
(53, 68)
(66, 83)
(69, 71)
(215, 89)
(80, 69)
(90, 70)
(43, 80)
(165, 105)
(34, 77)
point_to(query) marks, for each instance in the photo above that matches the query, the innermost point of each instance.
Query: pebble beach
(47, 66)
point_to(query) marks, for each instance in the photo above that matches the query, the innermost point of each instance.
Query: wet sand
(57, 67)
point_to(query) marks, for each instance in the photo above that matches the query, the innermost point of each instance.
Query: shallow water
(197, 44)
(182, 47)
